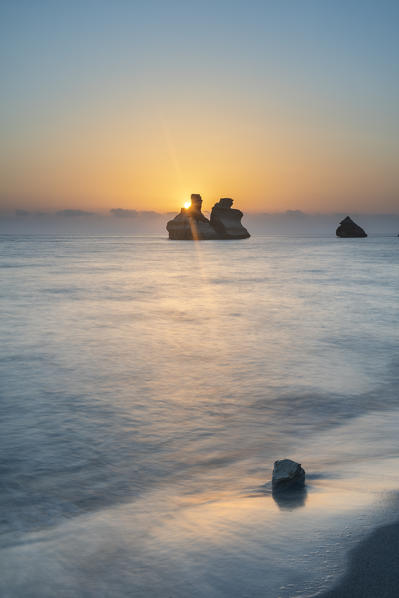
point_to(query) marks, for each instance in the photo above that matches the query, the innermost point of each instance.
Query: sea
(146, 388)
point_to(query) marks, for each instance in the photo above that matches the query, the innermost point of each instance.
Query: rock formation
(192, 225)
(347, 228)
(287, 475)
(227, 221)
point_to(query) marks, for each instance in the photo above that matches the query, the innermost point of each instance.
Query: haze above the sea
(128, 222)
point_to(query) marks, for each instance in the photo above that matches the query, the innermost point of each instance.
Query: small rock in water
(287, 474)
(347, 228)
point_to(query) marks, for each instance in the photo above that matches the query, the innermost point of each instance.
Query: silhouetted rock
(191, 224)
(227, 220)
(347, 228)
(287, 475)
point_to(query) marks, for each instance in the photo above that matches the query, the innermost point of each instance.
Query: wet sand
(373, 570)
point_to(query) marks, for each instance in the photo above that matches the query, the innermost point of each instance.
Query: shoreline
(373, 567)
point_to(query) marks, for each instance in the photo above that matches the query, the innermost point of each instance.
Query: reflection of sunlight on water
(161, 545)
(148, 406)
(176, 539)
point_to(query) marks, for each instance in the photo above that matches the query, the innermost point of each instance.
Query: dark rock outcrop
(287, 475)
(192, 225)
(347, 228)
(227, 220)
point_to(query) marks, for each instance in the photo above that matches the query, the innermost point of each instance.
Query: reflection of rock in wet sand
(288, 500)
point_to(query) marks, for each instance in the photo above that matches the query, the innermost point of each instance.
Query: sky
(281, 105)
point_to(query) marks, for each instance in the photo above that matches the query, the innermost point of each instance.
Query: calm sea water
(147, 386)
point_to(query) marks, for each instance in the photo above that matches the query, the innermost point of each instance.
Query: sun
(187, 204)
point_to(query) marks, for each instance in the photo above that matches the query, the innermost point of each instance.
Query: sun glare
(187, 204)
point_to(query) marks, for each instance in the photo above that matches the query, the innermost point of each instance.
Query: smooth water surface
(147, 386)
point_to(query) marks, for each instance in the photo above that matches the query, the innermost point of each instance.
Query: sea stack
(227, 220)
(192, 225)
(347, 228)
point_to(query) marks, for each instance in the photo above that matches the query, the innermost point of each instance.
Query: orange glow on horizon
(114, 165)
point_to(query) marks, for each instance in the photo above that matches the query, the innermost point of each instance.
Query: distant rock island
(192, 225)
(347, 228)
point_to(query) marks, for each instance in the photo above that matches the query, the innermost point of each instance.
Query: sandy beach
(373, 567)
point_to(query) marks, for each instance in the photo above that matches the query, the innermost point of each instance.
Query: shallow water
(147, 386)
